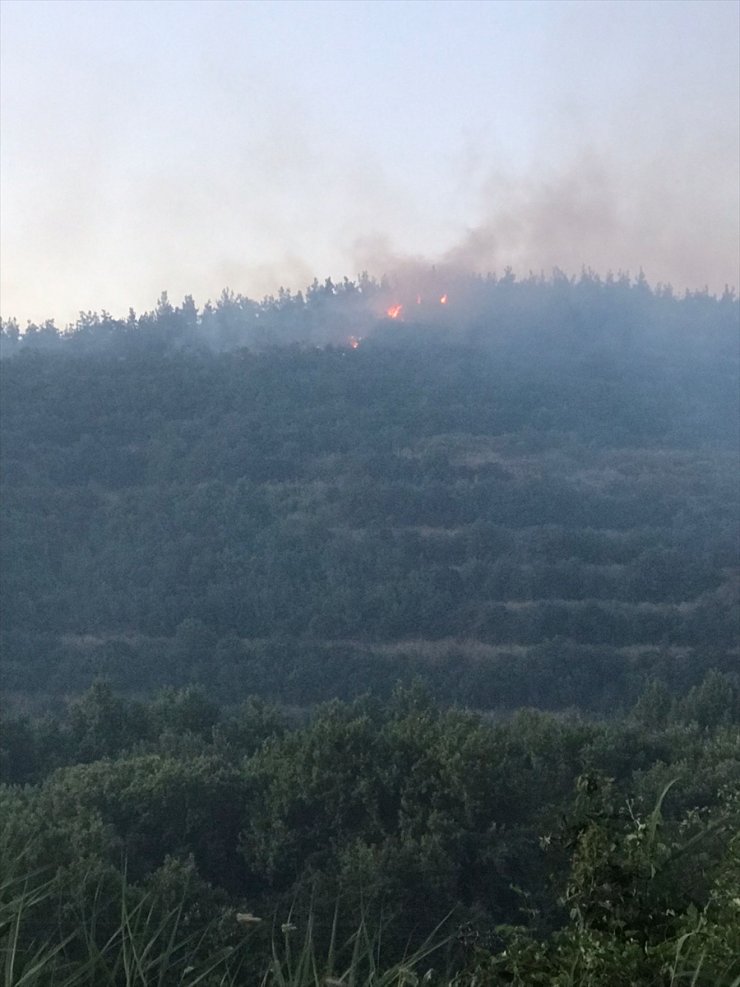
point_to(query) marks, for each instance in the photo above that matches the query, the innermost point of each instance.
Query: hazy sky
(190, 146)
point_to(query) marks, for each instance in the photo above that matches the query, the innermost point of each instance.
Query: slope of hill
(527, 496)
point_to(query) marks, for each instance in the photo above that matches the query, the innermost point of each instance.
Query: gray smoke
(667, 218)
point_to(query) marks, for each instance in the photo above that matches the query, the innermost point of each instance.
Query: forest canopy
(525, 495)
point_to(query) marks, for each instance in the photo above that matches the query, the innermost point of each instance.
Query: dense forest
(387, 611)
(392, 835)
(531, 500)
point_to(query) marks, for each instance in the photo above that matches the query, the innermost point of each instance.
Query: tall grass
(148, 946)
(356, 963)
(144, 948)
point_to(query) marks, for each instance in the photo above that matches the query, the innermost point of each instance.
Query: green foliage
(529, 502)
(617, 841)
(145, 947)
(631, 902)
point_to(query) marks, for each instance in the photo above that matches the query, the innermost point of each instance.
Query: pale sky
(188, 146)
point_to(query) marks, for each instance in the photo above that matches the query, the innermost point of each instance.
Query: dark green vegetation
(610, 845)
(531, 499)
(526, 497)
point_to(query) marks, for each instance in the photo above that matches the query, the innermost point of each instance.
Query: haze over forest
(490, 463)
(376, 629)
(258, 558)
(191, 147)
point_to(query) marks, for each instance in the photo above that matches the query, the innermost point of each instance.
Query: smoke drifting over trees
(400, 602)
(439, 303)
(441, 490)
(261, 166)
(597, 210)
(436, 457)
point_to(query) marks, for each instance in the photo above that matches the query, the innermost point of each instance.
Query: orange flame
(354, 341)
(394, 312)
(443, 299)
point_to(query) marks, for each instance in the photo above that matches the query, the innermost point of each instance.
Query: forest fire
(396, 311)
(354, 341)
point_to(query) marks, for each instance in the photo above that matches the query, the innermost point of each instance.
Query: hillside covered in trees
(390, 607)
(525, 496)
